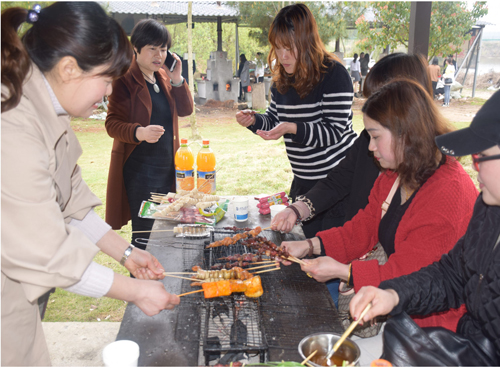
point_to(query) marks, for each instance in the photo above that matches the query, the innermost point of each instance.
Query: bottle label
(184, 180)
(206, 182)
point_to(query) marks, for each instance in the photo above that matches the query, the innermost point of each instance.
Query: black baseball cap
(482, 134)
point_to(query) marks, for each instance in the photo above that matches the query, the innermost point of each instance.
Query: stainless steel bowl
(323, 342)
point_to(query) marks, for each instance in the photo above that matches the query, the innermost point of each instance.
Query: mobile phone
(170, 61)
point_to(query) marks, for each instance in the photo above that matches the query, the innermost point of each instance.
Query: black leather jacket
(470, 274)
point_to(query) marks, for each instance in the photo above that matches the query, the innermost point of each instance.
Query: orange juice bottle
(184, 167)
(205, 165)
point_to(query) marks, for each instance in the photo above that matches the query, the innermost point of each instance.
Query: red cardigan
(435, 220)
(130, 106)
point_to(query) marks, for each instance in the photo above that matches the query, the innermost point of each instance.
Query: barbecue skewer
(272, 269)
(264, 266)
(194, 291)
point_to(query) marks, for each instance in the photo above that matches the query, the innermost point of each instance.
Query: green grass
(246, 165)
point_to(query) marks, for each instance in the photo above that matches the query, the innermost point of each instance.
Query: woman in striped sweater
(311, 102)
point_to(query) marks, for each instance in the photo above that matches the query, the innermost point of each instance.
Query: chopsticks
(194, 291)
(308, 358)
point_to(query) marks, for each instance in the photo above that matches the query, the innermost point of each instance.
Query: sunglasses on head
(476, 159)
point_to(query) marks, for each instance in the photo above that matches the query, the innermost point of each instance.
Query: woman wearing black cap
(469, 273)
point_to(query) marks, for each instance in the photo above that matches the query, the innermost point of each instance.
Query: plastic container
(122, 353)
(205, 166)
(184, 167)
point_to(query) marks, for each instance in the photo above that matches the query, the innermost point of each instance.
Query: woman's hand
(150, 133)
(278, 131)
(144, 266)
(284, 221)
(297, 249)
(150, 296)
(323, 269)
(246, 117)
(383, 302)
(176, 75)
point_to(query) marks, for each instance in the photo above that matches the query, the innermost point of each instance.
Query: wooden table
(288, 313)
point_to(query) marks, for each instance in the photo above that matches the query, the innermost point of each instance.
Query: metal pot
(323, 342)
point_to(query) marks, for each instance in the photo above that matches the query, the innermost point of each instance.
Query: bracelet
(299, 219)
(311, 247)
(179, 84)
(126, 254)
(348, 283)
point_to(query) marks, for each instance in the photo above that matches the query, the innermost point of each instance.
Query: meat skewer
(251, 287)
(232, 240)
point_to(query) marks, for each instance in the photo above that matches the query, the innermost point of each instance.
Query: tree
(451, 23)
(334, 18)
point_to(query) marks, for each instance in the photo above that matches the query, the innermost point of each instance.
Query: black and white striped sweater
(324, 123)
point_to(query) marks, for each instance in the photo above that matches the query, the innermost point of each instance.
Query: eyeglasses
(476, 159)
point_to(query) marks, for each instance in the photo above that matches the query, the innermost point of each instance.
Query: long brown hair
(405, 108)
(82, 30)
(295, 26)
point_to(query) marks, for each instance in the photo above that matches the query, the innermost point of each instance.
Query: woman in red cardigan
(143, 121)
(428, 213)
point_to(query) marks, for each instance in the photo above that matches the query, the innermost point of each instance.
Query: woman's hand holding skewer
(323, 269)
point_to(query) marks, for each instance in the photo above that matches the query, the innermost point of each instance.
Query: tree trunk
(194, 128)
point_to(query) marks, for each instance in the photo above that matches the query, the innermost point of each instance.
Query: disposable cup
(122, 353)
(240, 209)
(275, 208)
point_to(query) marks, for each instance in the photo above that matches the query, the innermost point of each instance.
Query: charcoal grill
(200, 332)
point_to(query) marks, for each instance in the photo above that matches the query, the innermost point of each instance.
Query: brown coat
(129, 107)
(42, 190)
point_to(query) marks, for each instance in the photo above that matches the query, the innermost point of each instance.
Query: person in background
(468, 274)
(310, 105)
(56, 71)
(421, 221)
(355, 74)
(142, 119)
(348, 184)
(364, 62)
(244, 74)
(434, 72)
(259, 68)
(449, 78)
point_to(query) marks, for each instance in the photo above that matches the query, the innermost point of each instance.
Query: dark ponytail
(82, 30)
(15, 59)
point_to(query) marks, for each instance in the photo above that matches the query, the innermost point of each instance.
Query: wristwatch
(126, 254)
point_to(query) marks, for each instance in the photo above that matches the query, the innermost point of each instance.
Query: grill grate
(232, 324)
(238, 324)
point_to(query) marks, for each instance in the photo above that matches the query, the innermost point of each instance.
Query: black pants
(140, 181)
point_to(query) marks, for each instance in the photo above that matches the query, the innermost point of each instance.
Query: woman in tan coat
(142, 118)
(50, 232)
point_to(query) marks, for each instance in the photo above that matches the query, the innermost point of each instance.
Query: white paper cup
(275, 208)
(240, 209)
(122, 353)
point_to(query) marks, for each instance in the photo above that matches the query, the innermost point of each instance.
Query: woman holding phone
(142, 118)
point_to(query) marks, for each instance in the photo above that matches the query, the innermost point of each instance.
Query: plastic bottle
(205, 165)
(184, 167)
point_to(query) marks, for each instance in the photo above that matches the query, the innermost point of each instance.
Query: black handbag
(407, 344)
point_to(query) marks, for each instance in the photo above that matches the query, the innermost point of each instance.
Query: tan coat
(42, 190)
(130, 106)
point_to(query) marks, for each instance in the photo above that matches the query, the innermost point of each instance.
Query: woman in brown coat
(142, 118)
